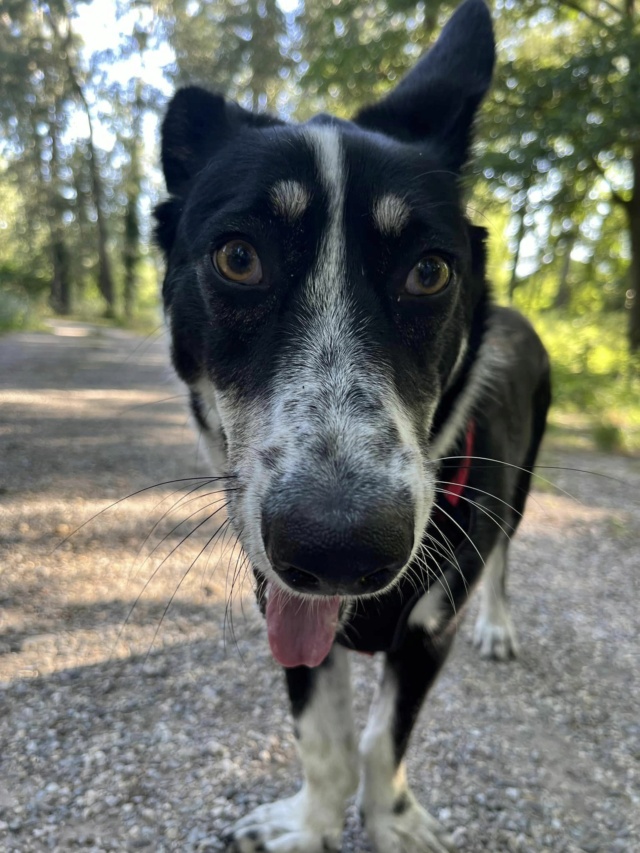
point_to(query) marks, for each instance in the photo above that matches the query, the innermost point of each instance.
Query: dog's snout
(319, 549)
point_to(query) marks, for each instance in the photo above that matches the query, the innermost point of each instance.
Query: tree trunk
(60, 298)
(62, 32)
(563, 294)
(60, 281)
(633, 216)
(513, 281)
(131, 250)
(105, 278)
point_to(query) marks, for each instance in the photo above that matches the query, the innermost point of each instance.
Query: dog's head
(323, 291)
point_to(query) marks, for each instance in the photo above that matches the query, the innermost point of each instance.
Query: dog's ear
(438, 99)
(196, 124)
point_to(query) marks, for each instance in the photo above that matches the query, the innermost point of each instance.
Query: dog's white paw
(408, 829)
(285, 826)
(495, 635)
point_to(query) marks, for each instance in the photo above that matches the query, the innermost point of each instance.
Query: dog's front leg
(393, 818)
(312, 820)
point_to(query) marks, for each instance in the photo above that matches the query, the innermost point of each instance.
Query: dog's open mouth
(301, 631)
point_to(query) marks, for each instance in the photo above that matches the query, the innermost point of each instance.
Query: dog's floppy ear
(197, 122)
(438, 99)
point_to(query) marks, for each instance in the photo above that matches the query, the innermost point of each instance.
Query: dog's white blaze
(390, 214)
(290, 199)
(327, 285)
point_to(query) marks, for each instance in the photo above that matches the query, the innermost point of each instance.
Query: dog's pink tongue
(301, 631)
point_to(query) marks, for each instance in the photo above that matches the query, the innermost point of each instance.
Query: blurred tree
(355, 51)
(42, 85)
(34, 91)
(133, 189)
(58, 15)
(559, 141)
(563, 129)
(238, 47)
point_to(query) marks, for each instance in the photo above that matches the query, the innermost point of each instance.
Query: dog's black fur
(345, 404)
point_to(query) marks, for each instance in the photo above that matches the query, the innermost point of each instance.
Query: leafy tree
(355, 51)
(238, 48)
(559, 142)
(562, 132)
(34, 91)
(42, 86)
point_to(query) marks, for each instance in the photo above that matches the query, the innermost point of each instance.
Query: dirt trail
(125, 725)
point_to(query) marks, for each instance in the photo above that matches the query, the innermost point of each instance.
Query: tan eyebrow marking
(390, 214)
(290, 199)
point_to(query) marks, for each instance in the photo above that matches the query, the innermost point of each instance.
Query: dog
(378, 414)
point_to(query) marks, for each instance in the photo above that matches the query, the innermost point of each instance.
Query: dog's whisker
(229, 592)
(128, 409)
(178, 504)
(464, 533)
(158, 332)
(434, 551)
(491, 514)
(449, 555)
(195, 513)
(482, 492)
(439, 578)
(154, 574)
(179, 584)
(241, 562)
(533, 472)
(128, 497)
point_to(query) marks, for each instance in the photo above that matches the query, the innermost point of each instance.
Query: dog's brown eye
(238, 261)
(431, 275)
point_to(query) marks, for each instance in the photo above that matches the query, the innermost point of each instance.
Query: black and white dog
(329, 313)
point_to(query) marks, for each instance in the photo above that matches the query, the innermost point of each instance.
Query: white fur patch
(377, 763)
(290, 199)
(312, 820)
(494, 633)
(327, 282)
(489, 362)
(390, 214)
(213, 436)
(430, 610)
(391, 830)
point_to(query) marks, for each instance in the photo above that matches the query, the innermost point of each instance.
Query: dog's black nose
(319, 549)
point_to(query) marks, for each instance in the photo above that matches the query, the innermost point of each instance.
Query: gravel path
(125, 727)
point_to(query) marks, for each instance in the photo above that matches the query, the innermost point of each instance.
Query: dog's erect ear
(438, 99)
(197, 122)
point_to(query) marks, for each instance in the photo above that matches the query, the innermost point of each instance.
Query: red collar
(458, 481)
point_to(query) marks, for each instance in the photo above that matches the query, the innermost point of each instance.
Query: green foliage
(356, 51)
(596, 382)
(556, 179)
(235, 46)
(608, 437)
(15, 311)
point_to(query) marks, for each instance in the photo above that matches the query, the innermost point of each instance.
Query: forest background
(556, 177)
